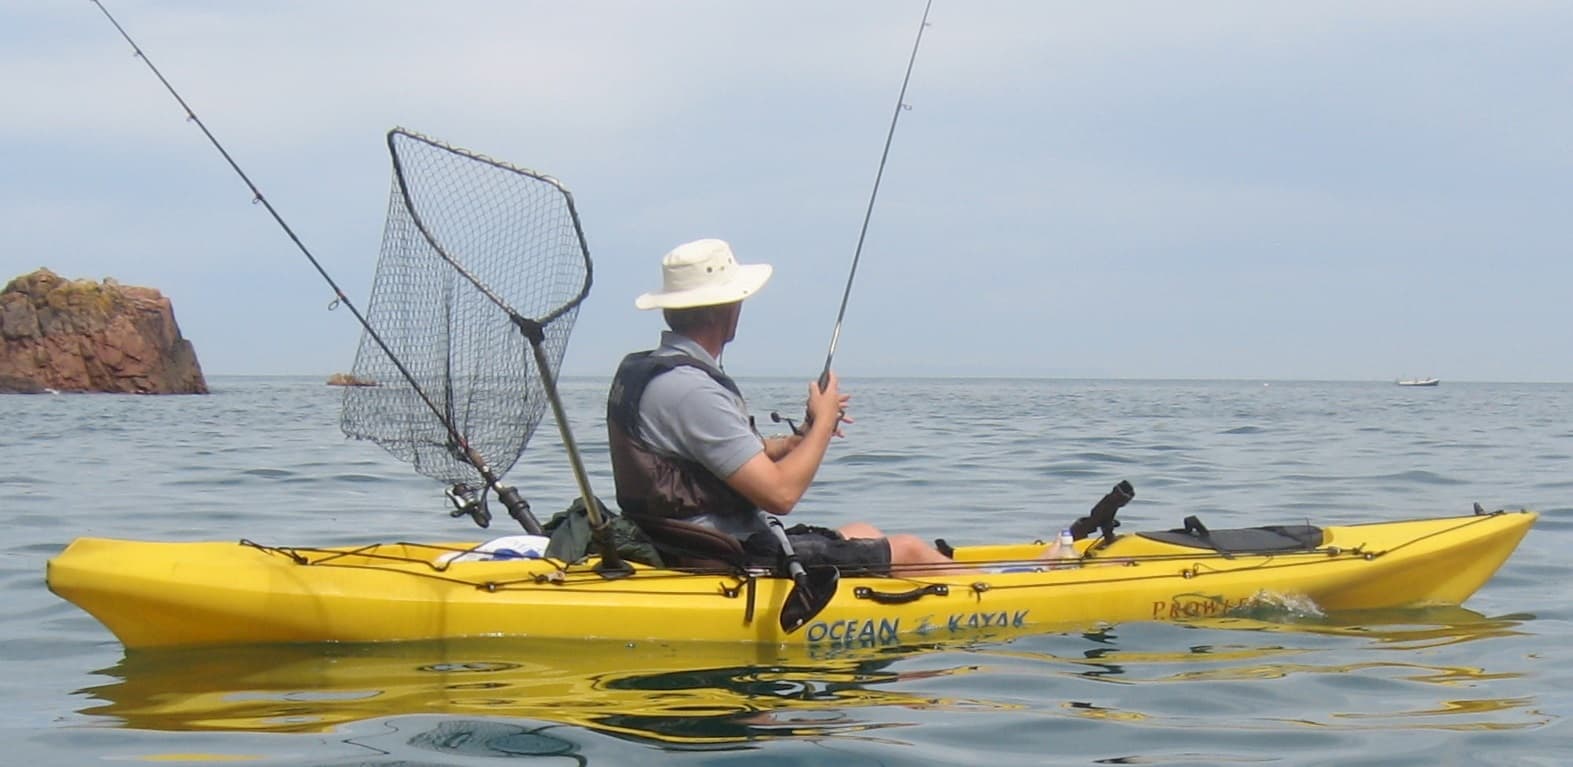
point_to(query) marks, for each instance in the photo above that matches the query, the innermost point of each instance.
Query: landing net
(475, 254)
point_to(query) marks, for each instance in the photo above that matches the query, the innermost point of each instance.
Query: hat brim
(747, 281)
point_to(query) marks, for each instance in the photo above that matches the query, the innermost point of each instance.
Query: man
(684, 447)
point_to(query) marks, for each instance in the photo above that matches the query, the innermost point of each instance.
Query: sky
(1231, 190)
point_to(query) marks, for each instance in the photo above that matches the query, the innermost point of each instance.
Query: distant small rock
(85, 336)
(346, 379)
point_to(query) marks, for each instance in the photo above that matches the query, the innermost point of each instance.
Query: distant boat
(1419, 381)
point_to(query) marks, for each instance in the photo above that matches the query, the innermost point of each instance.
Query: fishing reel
(775, 417)
(808, 420)
(467, 500)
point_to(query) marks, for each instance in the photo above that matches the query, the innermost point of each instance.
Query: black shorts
(819, 546)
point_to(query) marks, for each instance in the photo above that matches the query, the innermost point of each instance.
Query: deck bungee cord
(433, 565)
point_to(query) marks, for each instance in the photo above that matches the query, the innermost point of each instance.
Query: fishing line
(461, 444)
(857, 254)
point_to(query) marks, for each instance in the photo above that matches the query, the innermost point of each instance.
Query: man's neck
(709, 341)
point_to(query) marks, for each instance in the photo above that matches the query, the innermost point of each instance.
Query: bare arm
(776, 483)
(776, 448)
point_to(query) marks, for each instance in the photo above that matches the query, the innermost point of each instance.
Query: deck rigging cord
(424, 285)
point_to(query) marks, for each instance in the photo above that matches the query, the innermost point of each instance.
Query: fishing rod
(857, 254)
(868, 213)
(811, 592)
(517, 507)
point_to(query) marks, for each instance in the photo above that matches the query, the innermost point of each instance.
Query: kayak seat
(690, 546)
(1248, 540)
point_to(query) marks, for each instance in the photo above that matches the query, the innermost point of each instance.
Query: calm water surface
(971, 461)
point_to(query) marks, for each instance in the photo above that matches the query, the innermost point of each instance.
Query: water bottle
(1062, 554)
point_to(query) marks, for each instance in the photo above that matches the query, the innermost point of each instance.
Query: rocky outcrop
(81, 335)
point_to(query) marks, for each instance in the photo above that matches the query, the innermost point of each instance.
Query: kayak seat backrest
(1249, 540)
(692, 547)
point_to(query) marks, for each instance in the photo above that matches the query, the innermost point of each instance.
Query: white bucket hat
(703, 273)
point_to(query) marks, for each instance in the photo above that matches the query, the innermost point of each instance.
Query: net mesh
(470, 246)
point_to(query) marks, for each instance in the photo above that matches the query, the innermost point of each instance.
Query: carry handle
(901, 597)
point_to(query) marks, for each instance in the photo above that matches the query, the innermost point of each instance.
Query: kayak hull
(161, 594)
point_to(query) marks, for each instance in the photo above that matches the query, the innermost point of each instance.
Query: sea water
(967, 460)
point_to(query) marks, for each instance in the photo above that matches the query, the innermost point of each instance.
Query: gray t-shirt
(686, 413)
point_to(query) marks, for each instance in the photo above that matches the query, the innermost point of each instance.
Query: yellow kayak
(153, 594)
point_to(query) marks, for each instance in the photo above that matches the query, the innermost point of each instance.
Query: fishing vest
(649, 483)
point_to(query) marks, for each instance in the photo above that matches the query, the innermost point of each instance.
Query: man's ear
(734, 312)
